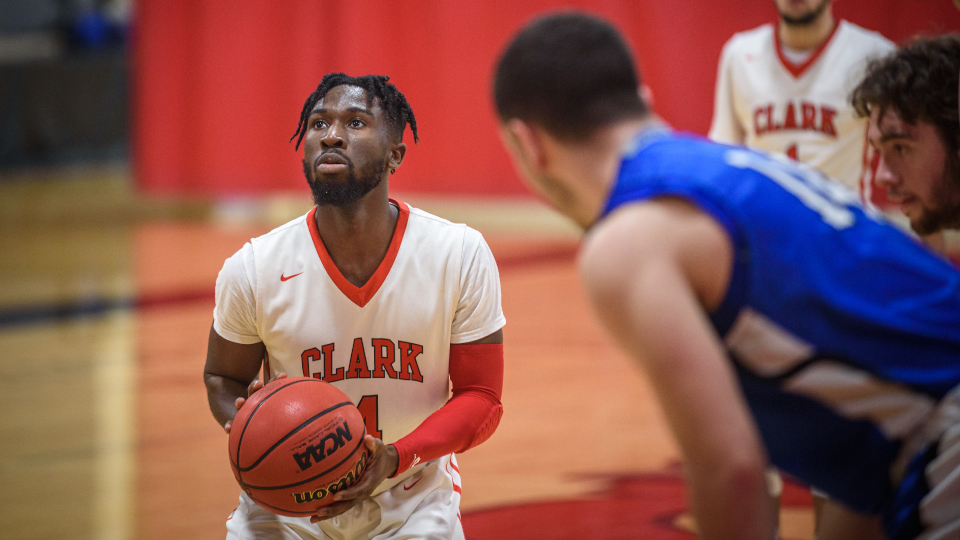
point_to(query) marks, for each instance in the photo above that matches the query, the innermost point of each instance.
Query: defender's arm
(653, 270)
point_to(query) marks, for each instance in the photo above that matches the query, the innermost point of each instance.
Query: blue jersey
(844, 331)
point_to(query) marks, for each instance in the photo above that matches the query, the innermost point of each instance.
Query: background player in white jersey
(910, 98)
(786, 88)
(390, 304)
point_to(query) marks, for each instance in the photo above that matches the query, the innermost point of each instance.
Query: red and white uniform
(800, 108)
(386, 345)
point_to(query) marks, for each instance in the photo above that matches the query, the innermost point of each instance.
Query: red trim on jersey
(798, 70)
(361, 295)
(866, 179)
(472, 414)
(878, 194)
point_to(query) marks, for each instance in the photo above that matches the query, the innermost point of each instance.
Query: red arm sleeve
(471, 415)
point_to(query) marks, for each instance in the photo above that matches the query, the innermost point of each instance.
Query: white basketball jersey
(386, 344)
(767, 102)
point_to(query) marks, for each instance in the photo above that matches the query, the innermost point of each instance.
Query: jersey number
(832, 201)
(370, 410)
(792, 152)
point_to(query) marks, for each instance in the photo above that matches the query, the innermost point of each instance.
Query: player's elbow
(739, 471)
(488, 425)
(212, 382)
(747, 477)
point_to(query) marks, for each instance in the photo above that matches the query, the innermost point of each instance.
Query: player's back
(845, 332)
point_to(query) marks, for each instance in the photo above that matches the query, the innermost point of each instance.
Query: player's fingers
(238, 403)
(363, 488)
(280, 375)
(332, 510)
(226, 427)
(254, 386)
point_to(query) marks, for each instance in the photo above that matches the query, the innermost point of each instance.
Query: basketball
(295, 443)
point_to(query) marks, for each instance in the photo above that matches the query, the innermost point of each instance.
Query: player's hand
(252, 389)
(381, 464)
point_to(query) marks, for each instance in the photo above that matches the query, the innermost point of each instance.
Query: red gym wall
(219, 85)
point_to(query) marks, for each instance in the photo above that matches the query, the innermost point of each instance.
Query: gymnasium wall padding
(218, 86)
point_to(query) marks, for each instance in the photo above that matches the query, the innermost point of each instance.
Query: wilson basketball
(295, 443)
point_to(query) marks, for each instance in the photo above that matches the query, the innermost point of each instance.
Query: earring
(392, 171)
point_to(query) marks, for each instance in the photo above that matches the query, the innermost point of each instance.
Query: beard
(946, 215)
(344, 192)
(806, 18)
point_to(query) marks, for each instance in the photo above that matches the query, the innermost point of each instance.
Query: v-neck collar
(361, 295)
(797, 70)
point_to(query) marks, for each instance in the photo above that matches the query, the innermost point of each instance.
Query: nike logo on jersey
(284, 278)
(408, 488)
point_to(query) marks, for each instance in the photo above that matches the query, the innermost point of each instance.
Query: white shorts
(426, 504)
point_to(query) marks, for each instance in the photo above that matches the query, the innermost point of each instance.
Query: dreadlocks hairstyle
(919, 82)
(569, 72)
(392, 102)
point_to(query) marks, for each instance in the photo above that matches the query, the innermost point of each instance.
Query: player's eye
(318, 124)
(900, 149)
(356, 123)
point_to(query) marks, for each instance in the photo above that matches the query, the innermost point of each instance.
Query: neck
(586, 171)
(809, 36)
(357, 235)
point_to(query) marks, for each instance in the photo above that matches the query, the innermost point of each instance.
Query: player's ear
(646, 94)
(397, 153)
(524, 142)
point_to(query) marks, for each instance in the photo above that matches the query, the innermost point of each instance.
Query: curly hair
(392, 102)
(919, 82)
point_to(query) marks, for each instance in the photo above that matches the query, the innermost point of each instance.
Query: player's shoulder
(431, 228)
(863, 38)
(750, 40)
(435, 224)
(283, 230)
(674, 154)
(278, 242)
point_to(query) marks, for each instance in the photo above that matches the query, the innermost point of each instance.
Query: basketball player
(910, 98)
(778, 320)
(391, 305)
(786, 88)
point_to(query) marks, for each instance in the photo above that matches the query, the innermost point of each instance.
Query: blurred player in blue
(778, 321)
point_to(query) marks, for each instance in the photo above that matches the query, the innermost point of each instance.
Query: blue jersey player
(778, 321)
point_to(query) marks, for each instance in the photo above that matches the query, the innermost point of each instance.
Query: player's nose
(885, 177)
(333, 138)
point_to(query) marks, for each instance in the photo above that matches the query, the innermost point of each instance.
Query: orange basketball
(295, 443)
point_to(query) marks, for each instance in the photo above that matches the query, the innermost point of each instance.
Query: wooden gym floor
(105, 305)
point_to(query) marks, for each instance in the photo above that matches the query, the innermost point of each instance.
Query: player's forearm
(470, 417)
(467, 420)
(222, 393)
